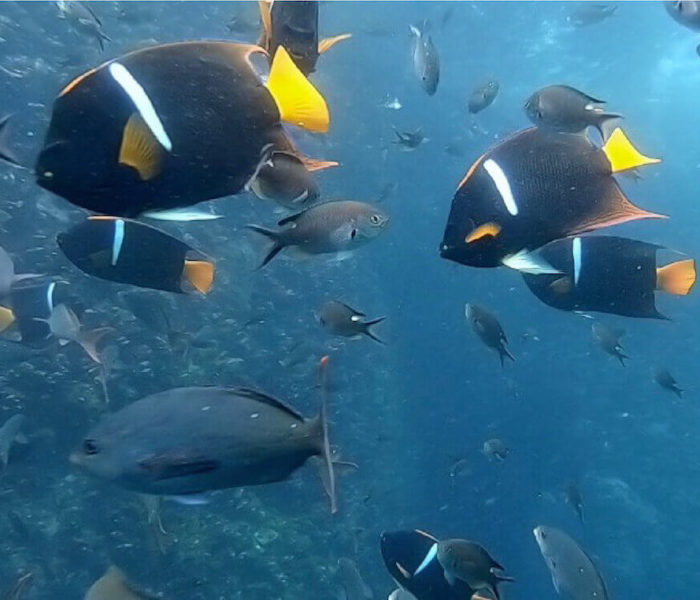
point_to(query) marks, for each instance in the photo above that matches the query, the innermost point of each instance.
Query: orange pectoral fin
(482, 231)
(327, 43)
(677, 278)
(200, 273)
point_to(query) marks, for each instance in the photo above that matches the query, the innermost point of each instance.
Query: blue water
(404, 412)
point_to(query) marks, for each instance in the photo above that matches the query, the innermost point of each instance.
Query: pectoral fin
(140, 149)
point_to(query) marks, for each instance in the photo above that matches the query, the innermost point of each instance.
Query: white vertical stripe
(432, 553)
(118, 240)
(576, 250)
(141, 101)
(502, 185)
(49, 295)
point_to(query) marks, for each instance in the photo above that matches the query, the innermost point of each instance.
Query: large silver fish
(426, 62)
(573, 573)
(326, 228)
(187, 441)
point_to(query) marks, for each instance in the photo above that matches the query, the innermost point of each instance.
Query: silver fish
(64, 325)
(426, 62)
(495, 448)
(609, 340)
(284, 179)
(573, 573)
(327, 228)
(9, 433)
(340, 319)
(83, 19)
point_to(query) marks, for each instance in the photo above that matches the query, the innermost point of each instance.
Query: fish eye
(90, 447)
(375, 219)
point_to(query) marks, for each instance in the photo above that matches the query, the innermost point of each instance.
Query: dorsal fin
(252, 394)
(290, 218)
(351, 309)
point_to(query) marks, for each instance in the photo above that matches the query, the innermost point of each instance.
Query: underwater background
(406, 412)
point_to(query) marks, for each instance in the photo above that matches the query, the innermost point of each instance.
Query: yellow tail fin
(327, 43)
(298, 101)
(677, 278)
(623, 155)
(200, 273)
(482, 231)
(140, 149)
(7, 317)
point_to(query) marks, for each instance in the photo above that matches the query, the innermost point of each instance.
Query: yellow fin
(140, 149)
(623, 155)
(561, 286)
(677, 278)
(327, 43)
(200, 273)
(487, 229)
(7, 317)
(297, 100)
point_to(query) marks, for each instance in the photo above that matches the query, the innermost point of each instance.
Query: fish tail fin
(276, 246)
(89, 340)
(200, 273)
(504, 353)
(327, 43)
(328, 476)
(368, 331)
(622, 154)
(677, 278)
(298, 101)
(6, 153)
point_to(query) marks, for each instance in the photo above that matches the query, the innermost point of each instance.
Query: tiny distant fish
(327, 228)
(9, 434)
(589, 13)
(488, 330)
(495, 449)
(409, 139)
(609, 341)
(573, 497)
(574, 575)
(426, 62)
(668, 382)
(340, 319)
(83, 19)
(483, 96)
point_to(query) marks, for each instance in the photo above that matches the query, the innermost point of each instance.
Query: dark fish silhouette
(609, 341)
(668, 382)
(488, 329)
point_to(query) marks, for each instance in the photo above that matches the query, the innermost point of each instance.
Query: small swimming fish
(8, 277)
(9, 434)
(488, 330)
(573, 497)
(495, 449)
(83, 19)
(574, 575)
(326, 228)
(284, 179)
(340, 319)
(65, 326)
(664, 378)
(483, 96)
(469, 562)
(609, 340)
(590, 13)
(409, 139)
(566, 109)
(426, 62)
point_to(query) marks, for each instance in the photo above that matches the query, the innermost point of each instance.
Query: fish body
(495, 449)
(609, 341)
(192, 440)
(83, 19)
(574, 574)
(8, 435)
(608, 274)
(483, 96)
(327, 228)
(533, 188)
(488, 330)
(590, 13)
(354, 586)
(126, 251)
(685, 12)
(572, 494)
(170, 126)
(426, 62)
(340, 319)
(65, 325)
(284, 179)
(404, 552)
(409, 139)
(469, 562)
(565, 109)
(668, 382)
